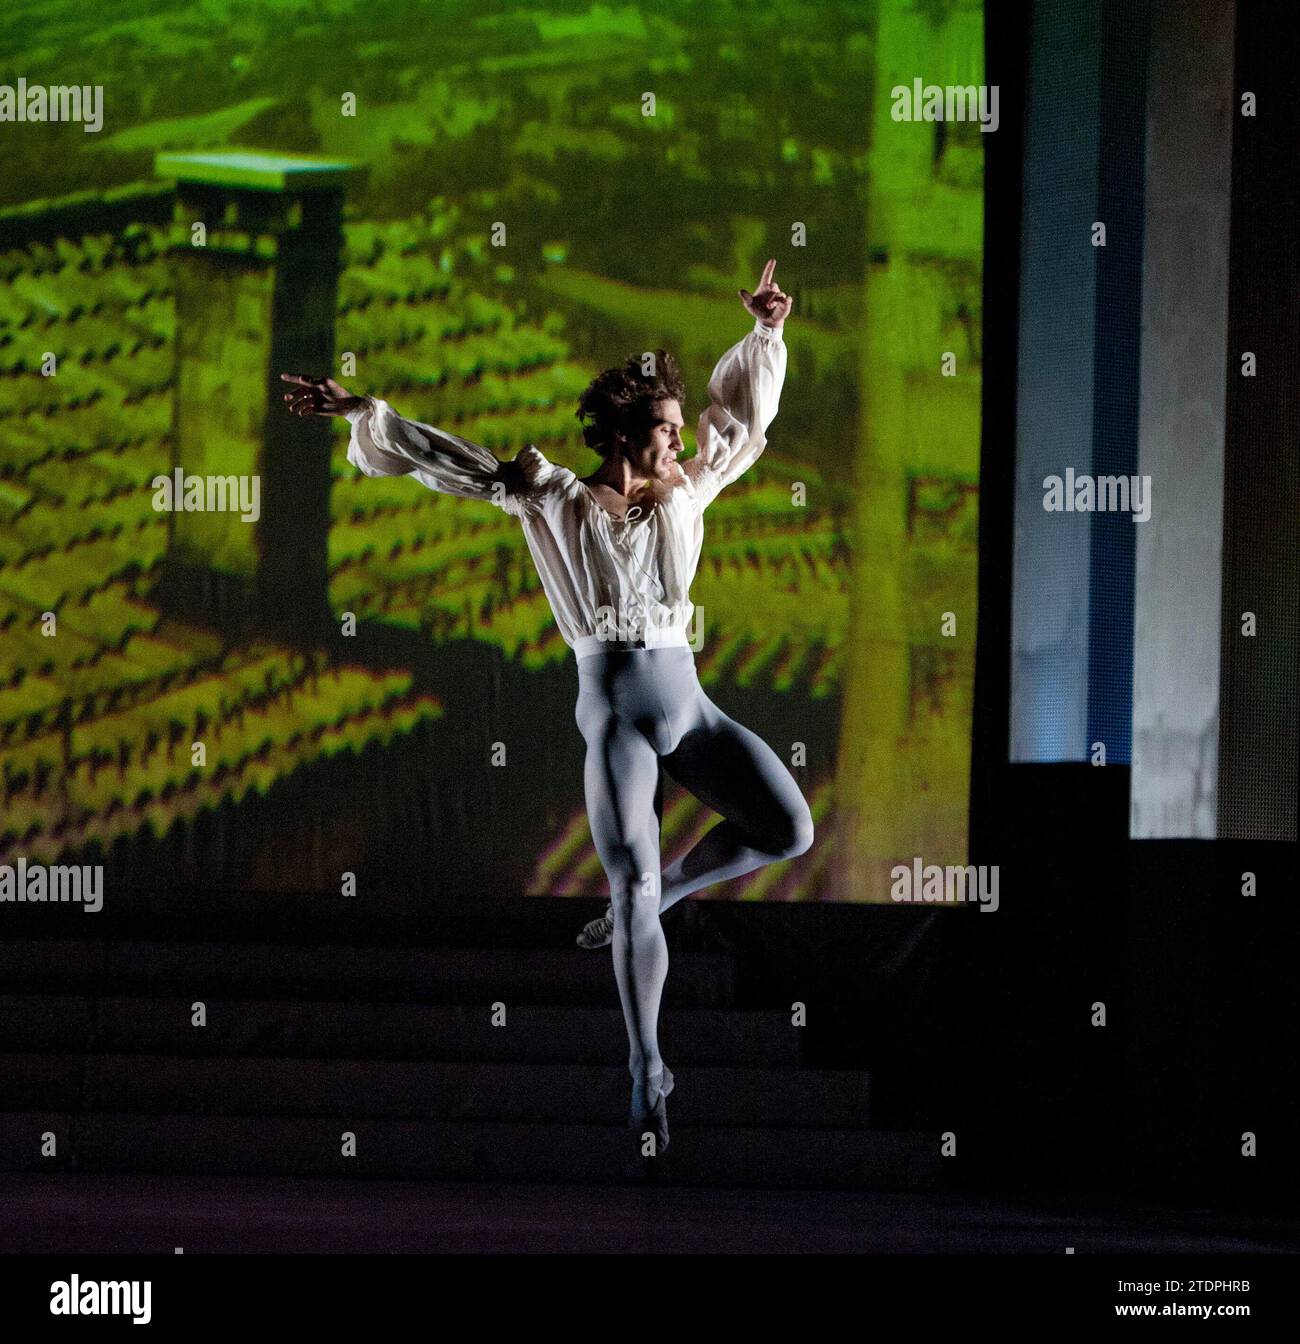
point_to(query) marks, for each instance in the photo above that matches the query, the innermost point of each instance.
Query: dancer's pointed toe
(649, 1109)
(654, 1122)
(599, 933)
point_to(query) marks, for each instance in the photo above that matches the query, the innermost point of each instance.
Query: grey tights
(639, 709)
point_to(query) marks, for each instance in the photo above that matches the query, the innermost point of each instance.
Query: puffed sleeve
(383, 443)
(744, 394)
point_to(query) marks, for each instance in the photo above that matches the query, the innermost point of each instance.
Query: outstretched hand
(767, 303)
(318, 396)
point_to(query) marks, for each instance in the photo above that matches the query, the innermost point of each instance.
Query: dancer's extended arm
(744, 394)
(384, 443)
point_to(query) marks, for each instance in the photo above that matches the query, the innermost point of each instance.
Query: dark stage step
(396, 1044)
(355, 1089)
(708, 1154)
(535, 1033)
(565, 975)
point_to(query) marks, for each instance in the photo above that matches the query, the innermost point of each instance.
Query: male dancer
(616, 552)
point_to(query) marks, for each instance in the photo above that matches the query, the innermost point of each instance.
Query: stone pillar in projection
(902, 780)
(256, 294)
(1177, 690)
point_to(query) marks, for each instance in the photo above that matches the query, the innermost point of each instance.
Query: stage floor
(120, 1213)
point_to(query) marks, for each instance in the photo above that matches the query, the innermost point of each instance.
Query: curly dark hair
(619, 403)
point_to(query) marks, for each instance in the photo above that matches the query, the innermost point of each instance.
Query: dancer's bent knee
(794, 836)
(802, 834)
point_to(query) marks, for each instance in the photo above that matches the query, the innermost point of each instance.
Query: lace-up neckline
(619, 529)
(634, 511)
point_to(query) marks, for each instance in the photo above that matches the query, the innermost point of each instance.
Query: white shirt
(607, 579)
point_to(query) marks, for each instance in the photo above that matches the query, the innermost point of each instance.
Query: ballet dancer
(616, 552)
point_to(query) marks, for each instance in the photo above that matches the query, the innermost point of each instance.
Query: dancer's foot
(648, 1109)
(647, 1087)
(600, 932)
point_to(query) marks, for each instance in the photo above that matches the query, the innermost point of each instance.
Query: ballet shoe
(652, 1115)
(665, 1085)
(599, 933)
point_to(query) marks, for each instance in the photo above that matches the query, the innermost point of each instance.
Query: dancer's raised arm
(383, 443)
(744, 394)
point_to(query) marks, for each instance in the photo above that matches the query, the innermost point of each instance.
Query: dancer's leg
(733, 771)
(621, 775)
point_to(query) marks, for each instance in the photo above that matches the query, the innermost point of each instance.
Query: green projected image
(468, 210)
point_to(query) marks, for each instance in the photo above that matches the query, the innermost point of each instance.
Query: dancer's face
(657, 458)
